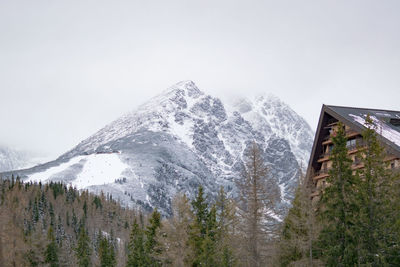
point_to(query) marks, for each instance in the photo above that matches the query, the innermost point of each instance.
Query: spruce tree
(136, 255)
(106, 252)
(51, 253)
(151, 232)
(299, 229)
(199, 234)
(143, 247)
(83, 249)
(339, 208)
(392, 226)
(375, 195)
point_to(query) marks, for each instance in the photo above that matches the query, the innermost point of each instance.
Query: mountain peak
(185, 84)
(188, 88)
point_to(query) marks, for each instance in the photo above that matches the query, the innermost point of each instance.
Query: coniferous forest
(356, 222)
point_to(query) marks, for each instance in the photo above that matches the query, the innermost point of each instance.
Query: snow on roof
(381, 127)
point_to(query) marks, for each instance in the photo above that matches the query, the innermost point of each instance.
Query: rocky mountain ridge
(179, 140)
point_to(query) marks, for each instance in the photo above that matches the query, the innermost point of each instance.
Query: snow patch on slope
(98, 169)
(45, 175)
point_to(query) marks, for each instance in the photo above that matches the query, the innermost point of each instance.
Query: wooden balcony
(360, 145)
(349, 133)
(321, 174)
(324, 157)
(314, 194)
(327, 141)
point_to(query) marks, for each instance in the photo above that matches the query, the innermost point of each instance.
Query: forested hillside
(39, 222)
(56, 225)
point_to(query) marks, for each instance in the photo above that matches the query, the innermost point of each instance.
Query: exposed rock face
(179, 140)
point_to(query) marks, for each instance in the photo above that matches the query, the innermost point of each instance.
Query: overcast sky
(67, 68)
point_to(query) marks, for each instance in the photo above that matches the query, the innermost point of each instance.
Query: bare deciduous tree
(256, 202)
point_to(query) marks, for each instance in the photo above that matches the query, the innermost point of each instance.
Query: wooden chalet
(388, 130)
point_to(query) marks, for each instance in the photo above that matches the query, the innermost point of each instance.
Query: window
(351, 144)
(395, 122)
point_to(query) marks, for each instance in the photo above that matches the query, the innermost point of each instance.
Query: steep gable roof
(387, 122)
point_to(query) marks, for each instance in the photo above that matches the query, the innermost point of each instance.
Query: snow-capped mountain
(179, 140)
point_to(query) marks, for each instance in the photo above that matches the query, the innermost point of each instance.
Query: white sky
(67, 68)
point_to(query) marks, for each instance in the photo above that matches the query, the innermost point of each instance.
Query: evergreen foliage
(83, 249)
(339, 207)
(143, 243)
(51, 254)
(299, 230)
(106, 252)
(202, 232)
(377, 241)
(39, 208)
(358, 221)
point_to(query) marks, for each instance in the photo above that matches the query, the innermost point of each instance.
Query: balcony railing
(347, 133)
(321, 172)
(350, 148)
(359, 144)
(323, 155)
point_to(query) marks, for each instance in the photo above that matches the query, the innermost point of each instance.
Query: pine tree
(151, 233)
(299, 229)
(143, 247)
(201, 231)
(376, 205)
(339, 208)
(51, 253)
(208, 257)
(392, 226)
(83, 249)
(106, 252)
(136, 256)
(85, 209)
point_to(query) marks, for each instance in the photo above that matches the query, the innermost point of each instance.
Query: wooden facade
(388, 130)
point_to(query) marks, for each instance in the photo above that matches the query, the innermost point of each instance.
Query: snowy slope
(95, 169)
(179, 140)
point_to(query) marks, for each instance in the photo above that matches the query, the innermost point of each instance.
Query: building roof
(386, 121)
